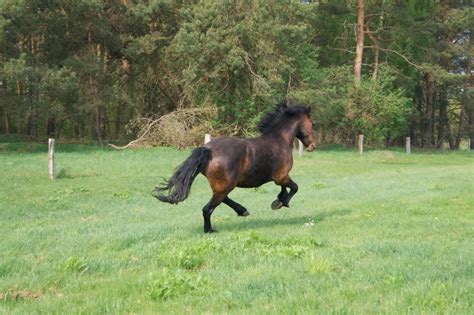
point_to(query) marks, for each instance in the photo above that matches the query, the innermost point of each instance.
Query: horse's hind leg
(284, 197)
(216, 199)
(293, 189)
(238, 208)
(283, 194)
(278, 203)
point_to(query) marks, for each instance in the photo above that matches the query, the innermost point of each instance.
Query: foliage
(85, 69)
(379, 111)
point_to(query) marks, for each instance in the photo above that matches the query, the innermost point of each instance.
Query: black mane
(280, 111)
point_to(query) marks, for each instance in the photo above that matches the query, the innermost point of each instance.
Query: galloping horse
(230, 162)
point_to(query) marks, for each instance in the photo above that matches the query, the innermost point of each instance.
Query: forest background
(102, 70)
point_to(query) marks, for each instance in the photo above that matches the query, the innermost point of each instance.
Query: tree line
(84, 69)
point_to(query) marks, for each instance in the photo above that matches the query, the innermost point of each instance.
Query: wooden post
(361, 144)
(408, 145)
(468, 144)
(51, 167)
(300, 148)
(207, 138)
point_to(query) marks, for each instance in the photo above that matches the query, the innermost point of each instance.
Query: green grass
(379, 233)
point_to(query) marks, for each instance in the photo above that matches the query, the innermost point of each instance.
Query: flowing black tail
(179, 185)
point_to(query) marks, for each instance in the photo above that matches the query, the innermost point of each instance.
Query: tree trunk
(51, 127)
(450, 135)
(471, 128)
(5, 119)
(96, 114)
(375, 48)
(3, 96)
(470, 112)
(18, 113)
(443, 116)
(118, 120)
(428, 117)
(417, 121)
(77, 131)
(34, 88)
(432, 119)
(469, 65)
(33, 122)
(359, 42)
(6, 124)
(59, 129)
(98, 125)
(457, 143)
(96, 110)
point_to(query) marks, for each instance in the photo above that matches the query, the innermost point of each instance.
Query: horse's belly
(254, 179)
(251, 184)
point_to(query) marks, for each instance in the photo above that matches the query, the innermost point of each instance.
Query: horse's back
(227, 148)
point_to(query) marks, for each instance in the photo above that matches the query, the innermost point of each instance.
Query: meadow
(384, 232)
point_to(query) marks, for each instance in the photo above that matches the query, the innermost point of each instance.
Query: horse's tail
(177, 188)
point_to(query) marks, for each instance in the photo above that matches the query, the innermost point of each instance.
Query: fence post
(51, 167)
(207, 138)
(468, 144)
(408, 145)
(300, 148)
(361, 144)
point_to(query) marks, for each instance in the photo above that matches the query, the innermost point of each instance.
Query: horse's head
(306, 133)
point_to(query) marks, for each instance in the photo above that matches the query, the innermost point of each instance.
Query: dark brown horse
(230, 162)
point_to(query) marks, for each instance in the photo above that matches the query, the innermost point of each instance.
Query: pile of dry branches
(181, 128)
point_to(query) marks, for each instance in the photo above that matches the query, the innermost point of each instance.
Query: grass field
(379, 233)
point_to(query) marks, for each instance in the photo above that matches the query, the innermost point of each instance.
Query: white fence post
(51, 166)
(300, 147)
(408, 145)
(361, 144)
(207, 138)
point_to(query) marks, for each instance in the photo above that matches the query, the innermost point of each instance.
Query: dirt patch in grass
(11, 295)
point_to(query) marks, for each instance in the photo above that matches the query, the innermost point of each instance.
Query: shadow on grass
(249, 223)
(332, 213)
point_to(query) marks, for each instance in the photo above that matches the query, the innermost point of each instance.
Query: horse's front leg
(284, 197)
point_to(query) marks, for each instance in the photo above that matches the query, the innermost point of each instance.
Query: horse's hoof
(277, 204)
(210, 231)
(245, 214)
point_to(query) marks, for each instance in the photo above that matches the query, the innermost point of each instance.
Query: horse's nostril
(311, 147)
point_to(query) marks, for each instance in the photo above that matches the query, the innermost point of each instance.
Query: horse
(230, 162)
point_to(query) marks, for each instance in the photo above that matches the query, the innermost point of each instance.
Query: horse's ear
(307, 110)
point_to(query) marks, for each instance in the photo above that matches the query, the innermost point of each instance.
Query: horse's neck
(287, 133)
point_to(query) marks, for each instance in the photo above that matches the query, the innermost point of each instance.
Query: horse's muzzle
(311, 147)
